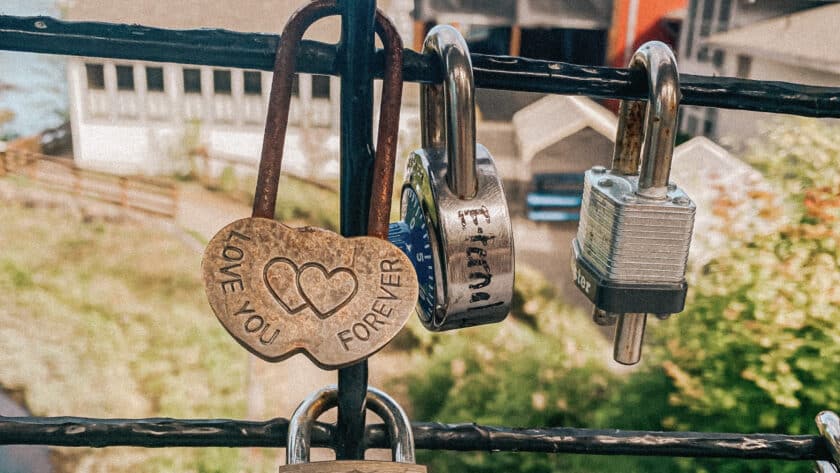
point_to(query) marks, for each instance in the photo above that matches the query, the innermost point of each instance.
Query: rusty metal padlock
(456, 227)
(631, 250)
(280, 290)
(396, 420)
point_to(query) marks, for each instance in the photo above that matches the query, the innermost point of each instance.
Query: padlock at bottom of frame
(399, 429)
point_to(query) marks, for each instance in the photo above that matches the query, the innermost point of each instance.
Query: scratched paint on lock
(280, 290)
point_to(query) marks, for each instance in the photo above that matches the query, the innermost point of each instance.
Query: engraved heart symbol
(280, 277)
(309, 286)
(261, 277)
(326, 292)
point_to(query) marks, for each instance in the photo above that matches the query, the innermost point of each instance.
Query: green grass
(296, 200)
(110, 320)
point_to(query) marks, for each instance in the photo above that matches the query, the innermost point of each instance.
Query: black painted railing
(357, 63)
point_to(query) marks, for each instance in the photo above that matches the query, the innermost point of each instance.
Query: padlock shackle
(447, 110)
(279, 101)
(828, 424)
(658, 131)
(319, 402)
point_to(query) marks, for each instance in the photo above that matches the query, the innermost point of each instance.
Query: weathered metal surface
(829, 426)
(280, 290)
(256, 51)
(399, 429)
(635, 227)
(456, 225)
(88, 432)
(356, 120)
(352, 466)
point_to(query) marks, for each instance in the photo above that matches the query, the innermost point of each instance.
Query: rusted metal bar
(357, 154)
(256, 51)
(88, 432)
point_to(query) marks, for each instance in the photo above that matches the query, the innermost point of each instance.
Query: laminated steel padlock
(280, 290)
(396, 421)
(455, 222)
(631, 250)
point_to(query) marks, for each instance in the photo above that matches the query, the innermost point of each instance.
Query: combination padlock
(631, 250)
(396, 421)
(280, 290)
(455, 224)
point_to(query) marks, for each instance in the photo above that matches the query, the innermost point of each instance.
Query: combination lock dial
(411, 235)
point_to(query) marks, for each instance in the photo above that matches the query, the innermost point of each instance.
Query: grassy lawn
(110, 320)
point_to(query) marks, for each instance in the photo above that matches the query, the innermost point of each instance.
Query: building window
(690, 19)
(192, 81)
(691, 127)
(743, 67)
(320, 87)
(221, 81)
(95, 76)
(718, 57)
(708, 127)
(709, 122)
(724, 14)
(252, 82)
(125, 77)
(706, 20)
(154, 79)
(295, 86)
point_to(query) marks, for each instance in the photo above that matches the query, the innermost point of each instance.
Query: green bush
(758, 347)
(756, 350)
(545, 366)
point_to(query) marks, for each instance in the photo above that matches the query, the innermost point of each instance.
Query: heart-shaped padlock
(280, 290)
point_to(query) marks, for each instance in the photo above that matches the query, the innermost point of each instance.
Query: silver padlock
(455, 224)
(828, 424)
(631, 250)
(399, 429)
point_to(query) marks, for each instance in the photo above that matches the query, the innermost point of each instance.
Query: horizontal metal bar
(88, 432)
(256, 51)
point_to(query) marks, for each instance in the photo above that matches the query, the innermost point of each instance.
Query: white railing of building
(158, 106)
(98, 104)
(320, 111)
(127, 105)
(223, 109)
(244, 109)
(193, 107)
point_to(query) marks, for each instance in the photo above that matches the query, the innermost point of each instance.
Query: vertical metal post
(357, 48)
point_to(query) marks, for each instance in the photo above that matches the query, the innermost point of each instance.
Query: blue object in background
(555, 198)
(33, 86)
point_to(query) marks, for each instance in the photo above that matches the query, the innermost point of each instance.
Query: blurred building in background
(783, 40)
(531, 135)
(161, 109)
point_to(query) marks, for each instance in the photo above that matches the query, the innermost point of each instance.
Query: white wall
(127, 140)
(737, 126)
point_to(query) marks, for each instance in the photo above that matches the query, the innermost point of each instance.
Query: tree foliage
(756, 350)
(758, 347)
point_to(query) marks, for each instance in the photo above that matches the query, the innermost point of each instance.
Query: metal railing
(136, 193)
(357, 63)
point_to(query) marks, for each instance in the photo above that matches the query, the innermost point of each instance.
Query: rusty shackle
(277, 118)
(647, 129)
